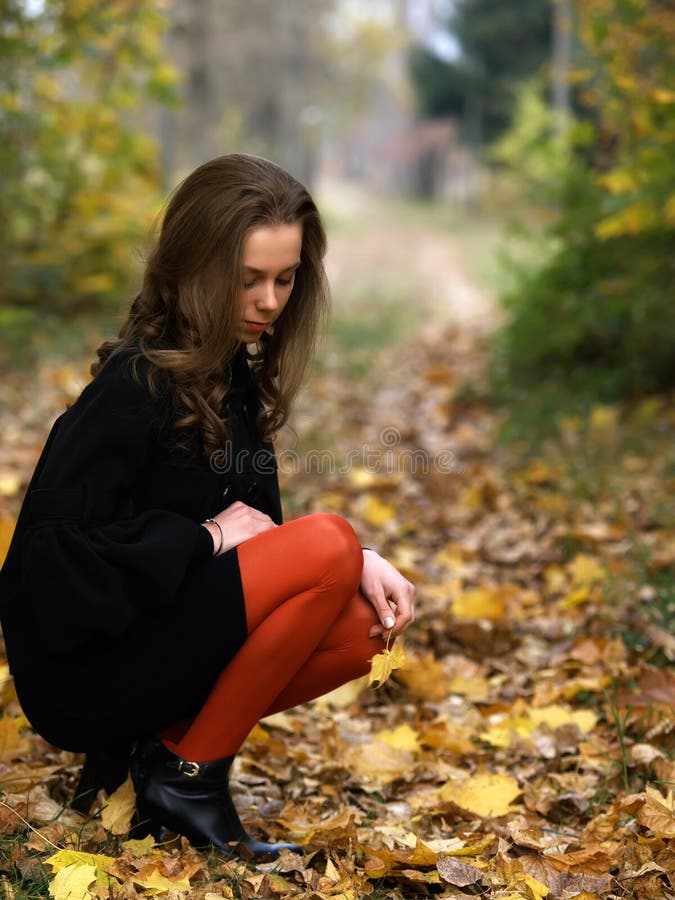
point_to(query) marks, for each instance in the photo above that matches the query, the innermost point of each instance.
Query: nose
(267, 298)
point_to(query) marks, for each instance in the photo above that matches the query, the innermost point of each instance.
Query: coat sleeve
(89, 563)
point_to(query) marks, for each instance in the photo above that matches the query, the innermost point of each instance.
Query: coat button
(252, 490)
(226, 490)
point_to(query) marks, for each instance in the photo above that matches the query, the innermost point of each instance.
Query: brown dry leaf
(305, 828)
(562, 882)
(664, 769)
(377, 763)
(9, 820)
(658, 812)
(658, 685)
(14, 743)
(456, 872)
(592, 860)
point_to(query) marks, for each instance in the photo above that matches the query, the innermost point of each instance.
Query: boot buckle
(188, 768)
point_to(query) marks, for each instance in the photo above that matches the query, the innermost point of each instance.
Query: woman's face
(270, 259)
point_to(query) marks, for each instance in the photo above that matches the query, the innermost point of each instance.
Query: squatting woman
(153, 604)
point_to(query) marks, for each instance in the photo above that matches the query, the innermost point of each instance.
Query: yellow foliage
(403, 738)
(13, 743)
(632, 219)
(64, 858)
(619, 181)
(72, 882)
(118, 812)
(485, 794)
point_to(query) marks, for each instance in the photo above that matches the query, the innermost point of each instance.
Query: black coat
(110, 525)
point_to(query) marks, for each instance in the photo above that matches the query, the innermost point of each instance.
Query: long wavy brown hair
(185, 319)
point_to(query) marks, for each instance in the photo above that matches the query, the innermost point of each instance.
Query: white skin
(271, 256)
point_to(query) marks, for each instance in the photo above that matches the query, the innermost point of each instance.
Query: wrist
(216, 533)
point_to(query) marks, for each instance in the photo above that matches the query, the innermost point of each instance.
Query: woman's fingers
(392, 595)
(240, 522)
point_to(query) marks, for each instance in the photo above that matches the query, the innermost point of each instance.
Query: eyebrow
(255, 271)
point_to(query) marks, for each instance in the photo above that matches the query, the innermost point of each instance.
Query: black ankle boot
(192, 799)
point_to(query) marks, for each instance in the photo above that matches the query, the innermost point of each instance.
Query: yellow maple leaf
(139, 847)
(403, 738)
(155, 881)
(486, 794)
(118, 812)
(63, 858)
(72, 882)
(383, 664)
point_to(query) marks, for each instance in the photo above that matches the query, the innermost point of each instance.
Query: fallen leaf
(658, 812)
(456, 872)
(403, 738)
(485, 794)
(14, 742)
(481, 603)
(72, 882)
(63, 858)
(383, 664)
(139, 847)
(118, 812)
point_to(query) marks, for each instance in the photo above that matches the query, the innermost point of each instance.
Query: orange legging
(308, 630)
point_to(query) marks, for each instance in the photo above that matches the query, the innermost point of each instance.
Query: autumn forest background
(492, 409)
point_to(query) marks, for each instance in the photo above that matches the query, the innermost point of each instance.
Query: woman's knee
(334, 547)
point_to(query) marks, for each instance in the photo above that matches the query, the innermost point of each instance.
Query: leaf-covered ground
(526, 750)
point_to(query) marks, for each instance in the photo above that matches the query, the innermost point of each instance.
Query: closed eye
(284, 282)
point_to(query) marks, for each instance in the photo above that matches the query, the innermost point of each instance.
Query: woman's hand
(238, 523)
(392, 595)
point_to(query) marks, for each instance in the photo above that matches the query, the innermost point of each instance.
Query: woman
(151, 595)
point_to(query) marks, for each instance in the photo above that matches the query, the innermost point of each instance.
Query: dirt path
(383, 242)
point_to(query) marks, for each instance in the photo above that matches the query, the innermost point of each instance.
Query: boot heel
(144, 826)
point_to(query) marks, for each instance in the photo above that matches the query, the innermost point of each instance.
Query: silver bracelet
(220, 532)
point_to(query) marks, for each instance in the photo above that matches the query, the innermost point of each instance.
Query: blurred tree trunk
(560, 65)
(273, 78)
(251, 75)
